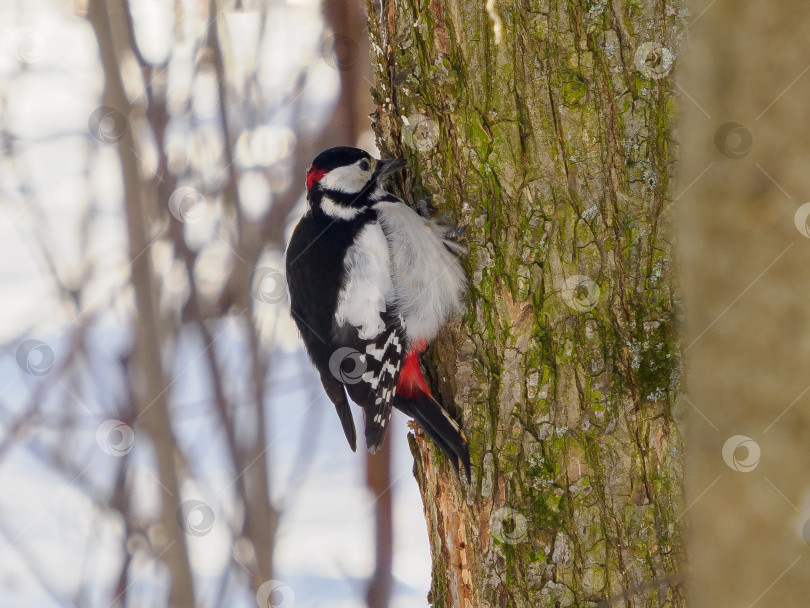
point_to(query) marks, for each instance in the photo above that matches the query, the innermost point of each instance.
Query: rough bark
(547, 128)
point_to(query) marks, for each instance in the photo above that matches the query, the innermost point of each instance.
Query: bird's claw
(423, 207)
(426, 210)
(454, 234)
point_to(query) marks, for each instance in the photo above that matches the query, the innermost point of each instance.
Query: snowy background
(65, 281)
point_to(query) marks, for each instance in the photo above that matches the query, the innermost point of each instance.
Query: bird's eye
(364, 165)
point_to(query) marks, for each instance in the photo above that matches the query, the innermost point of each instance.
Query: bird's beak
(388, 166)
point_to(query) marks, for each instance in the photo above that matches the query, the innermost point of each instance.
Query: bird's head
(343, 181)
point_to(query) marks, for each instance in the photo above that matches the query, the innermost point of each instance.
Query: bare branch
(106, 17)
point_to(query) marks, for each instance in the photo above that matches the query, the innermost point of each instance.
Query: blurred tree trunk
(547, 128)
(107, 20)
(746, 129)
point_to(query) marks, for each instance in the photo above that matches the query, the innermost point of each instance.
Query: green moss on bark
(555, 148)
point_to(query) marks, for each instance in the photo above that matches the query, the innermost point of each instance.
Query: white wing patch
(368, 283)
(428, 280)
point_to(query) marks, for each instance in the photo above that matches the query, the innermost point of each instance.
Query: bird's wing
(371, 338)
(373, 384)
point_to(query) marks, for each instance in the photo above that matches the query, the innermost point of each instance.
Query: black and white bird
(371, 282)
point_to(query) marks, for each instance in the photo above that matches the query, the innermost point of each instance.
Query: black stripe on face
(363, 211)
(355, 200)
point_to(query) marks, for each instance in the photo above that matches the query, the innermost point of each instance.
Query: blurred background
(159, 420)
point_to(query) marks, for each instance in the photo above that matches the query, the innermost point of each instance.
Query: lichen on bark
(547, 128)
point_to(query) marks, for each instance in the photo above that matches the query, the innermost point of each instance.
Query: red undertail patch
(411, 379)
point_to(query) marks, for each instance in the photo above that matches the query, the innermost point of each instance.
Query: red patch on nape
(314, 175)
(411, 379)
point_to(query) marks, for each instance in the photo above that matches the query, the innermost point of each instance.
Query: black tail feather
(334, 390)
(439, 426)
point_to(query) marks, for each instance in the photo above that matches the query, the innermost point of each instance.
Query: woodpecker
(371, 282)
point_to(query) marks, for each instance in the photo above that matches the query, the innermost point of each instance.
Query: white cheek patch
(351, 179)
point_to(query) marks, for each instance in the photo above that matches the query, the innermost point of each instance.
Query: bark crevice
(553, 146)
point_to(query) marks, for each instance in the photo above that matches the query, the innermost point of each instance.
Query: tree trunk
(546, 128)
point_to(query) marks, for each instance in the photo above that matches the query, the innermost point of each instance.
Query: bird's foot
(454, 234)
(424, 208)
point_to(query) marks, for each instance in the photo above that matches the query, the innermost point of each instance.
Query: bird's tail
(413, 398)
